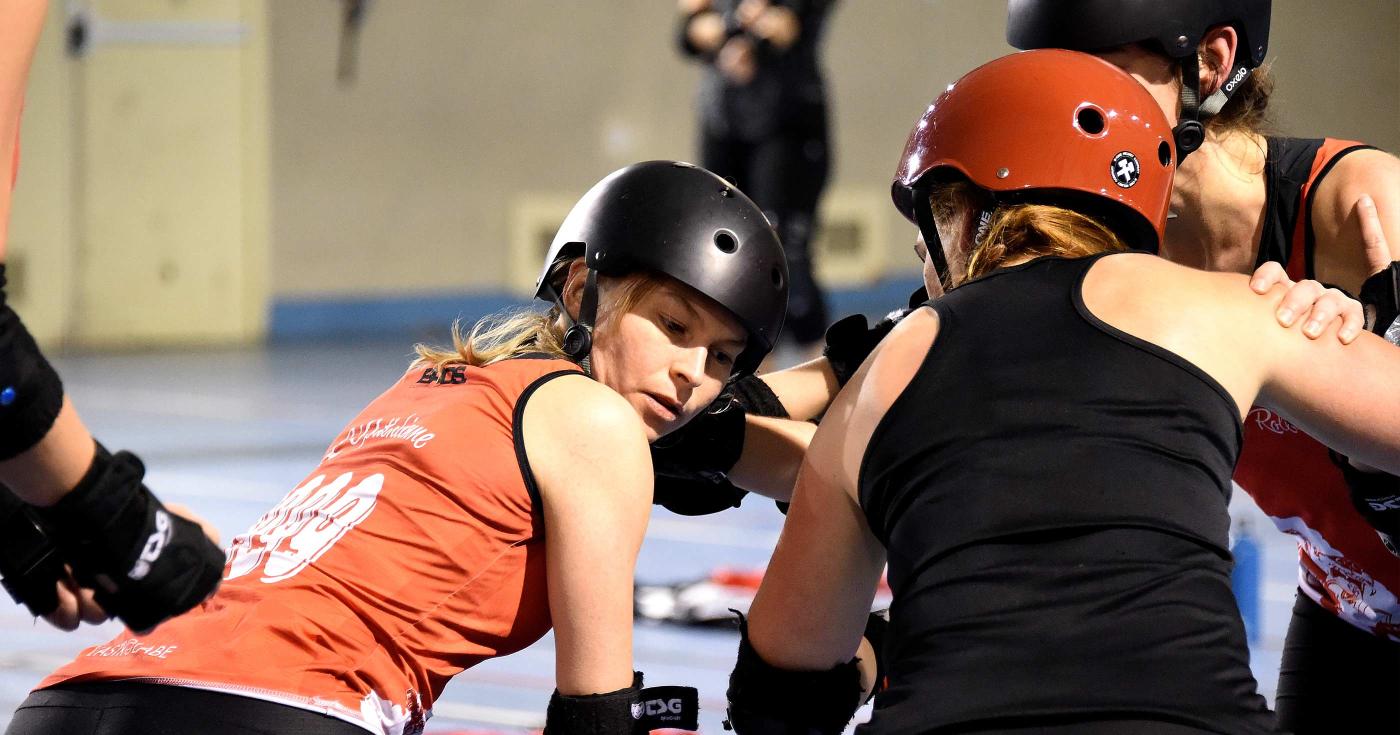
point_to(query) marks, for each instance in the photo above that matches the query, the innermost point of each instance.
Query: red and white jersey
(1343, 566)
(412, 552)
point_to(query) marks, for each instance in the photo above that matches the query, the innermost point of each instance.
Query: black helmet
(1176, 26)
(682, 221)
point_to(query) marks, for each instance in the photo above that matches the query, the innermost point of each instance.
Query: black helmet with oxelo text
(1174, 27)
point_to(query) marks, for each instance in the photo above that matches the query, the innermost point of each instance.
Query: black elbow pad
(30, 392)
(767, 700)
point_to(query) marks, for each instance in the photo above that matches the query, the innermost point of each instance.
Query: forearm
(591, 607)
(47, 471)
(773, 450)
(805, 390)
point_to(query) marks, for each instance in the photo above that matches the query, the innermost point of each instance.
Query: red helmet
(1051, 127)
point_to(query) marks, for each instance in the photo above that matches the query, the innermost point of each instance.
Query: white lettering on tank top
(1270, 421)
(305, 525)
(404, 428)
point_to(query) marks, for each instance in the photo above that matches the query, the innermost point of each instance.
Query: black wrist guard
(29, 563)
(30, 392)
(1380, 296)
(707, 447)
(850, 340)
(756, 398)
(111, 529)
(629, 711)
(764, 699)
(688, 497)
(1376, 496)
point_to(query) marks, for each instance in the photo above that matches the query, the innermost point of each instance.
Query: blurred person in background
(1044, 454)
(81, 536)
(763, 123)
(1246, 198)
(500, 489)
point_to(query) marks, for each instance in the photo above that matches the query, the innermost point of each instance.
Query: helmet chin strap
(578, 338)
(933, 244)
(1189, 132)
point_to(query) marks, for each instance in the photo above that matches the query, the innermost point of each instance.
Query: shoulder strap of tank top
(1300, 265)
(1287, 163)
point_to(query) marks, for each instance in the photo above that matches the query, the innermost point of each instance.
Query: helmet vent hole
(777, 275)
(1164, 153)
(726, 241)
(1090, 120)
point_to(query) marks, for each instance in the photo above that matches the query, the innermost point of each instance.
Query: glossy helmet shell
(682, 221)
(1052, 127)
(1176, 26)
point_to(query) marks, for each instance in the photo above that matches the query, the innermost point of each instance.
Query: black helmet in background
(682, 221)
(1175, 27)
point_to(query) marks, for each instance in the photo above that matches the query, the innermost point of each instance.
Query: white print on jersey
(404, 428)
(388, 718)
(306, 524)
(1362, 600)
(159, 539)
(131, 647)
(1270, 421)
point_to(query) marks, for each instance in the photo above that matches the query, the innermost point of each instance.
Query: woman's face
(668, 355)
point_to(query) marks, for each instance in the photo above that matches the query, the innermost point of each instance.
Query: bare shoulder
(839, 445)
(1140, 282)
(1360, 172)
(1340, 257)
(1215, 321)
(580, 397)
(906, 345)
(574, 427)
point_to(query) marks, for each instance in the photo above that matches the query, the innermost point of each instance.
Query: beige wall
(141, 211)
(407, 180)
(142, 214)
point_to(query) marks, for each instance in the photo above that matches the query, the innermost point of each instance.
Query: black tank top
(1052, 495)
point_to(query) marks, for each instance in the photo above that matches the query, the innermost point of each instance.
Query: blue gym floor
(229, 432)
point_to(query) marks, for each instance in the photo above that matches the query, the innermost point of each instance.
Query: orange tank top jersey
(1342, 564)
(412, 552)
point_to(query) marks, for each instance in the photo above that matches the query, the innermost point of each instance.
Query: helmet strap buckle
(578, 338)
(1189, 133)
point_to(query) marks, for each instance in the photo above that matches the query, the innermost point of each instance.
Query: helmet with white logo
(1051, 127)
(682, 221)
(1175, 28)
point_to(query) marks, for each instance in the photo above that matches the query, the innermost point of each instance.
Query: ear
(1217, 50)
(573, 286)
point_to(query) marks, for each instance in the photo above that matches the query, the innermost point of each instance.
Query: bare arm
(1343, 255)
(773, 451)
(812, 605)
(47, 471)
(20, 23)
(805, 390)
(51, 468)
(588, 452)
(1348, 397)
